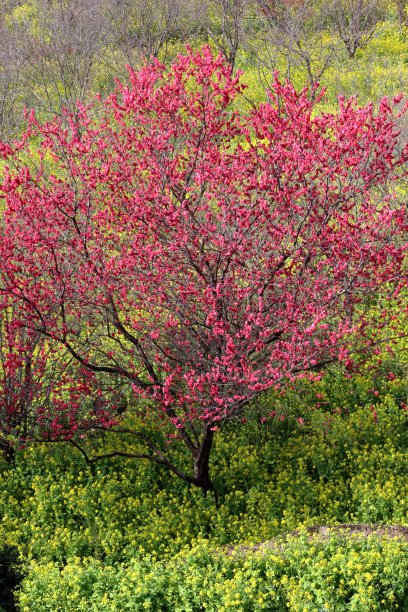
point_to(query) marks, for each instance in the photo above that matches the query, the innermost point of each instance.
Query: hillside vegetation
(125, 534)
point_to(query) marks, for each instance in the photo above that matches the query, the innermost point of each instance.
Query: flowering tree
(42, 388)
(192, 253)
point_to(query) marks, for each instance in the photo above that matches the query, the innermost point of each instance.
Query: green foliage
(301, 574)
(270, 478)
(126, 535)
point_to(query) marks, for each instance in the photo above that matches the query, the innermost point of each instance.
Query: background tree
(142, 30)
(355, 21)
(55, 52)
(196, 256)
(62, 44)
(295, 31)
(224, 22)
(402, 10)
(11, 86)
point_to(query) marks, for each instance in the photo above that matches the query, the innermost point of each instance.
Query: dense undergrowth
(126, 535)
(305, 575)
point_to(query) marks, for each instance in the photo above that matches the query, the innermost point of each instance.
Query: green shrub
(98, 535)
(337, 573)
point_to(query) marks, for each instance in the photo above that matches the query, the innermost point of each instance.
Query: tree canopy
(165, 244)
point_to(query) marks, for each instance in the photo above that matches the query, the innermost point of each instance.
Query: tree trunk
(202, 460)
